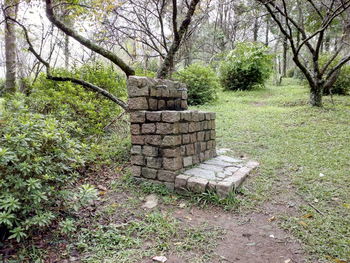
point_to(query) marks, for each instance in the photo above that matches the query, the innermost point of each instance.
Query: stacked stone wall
(166, 137)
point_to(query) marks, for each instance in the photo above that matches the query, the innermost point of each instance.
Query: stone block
(138, 103)
(184, 104)
(150, 151)
(138, 139)
(153, 140)
(138, 117)
(135, 91)
(166, 176)
(209, 145)
(152, 104)
(148, 128)
(212, 186)
(197, 185)
(207, 116)
(171, 140)
(200, 136)
(187, 161)
(190, 149)
(161, 105)
(186, 116)
(170, 104)
(207, 155)
(181, 181)
(153, 162)
(223, 188)
(193, 126)
(201, 116)
(156, 91)
(171, 152)
(185, 139)
(252, 164)
(195, 116)
(213, 126)
(171, 116)
(183, 127)
(184, 95)
(193, 138)
(136, 170)
(172, 164)
(203, 146)
(212, 115)
(149, 173)
(183, 150)
(135, 129)
(195, 159)
(166, 92)
(213, 134)
(137, 160)
(201, 157)
(207, 135)
(167, 128)
(136, 149)
(154, 116)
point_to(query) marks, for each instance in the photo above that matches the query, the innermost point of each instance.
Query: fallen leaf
(182, 205)
(346, 206)
(302, 223)
(102, 188)
(308, 216)
(272, 219)
(102, 192)
(288, 260)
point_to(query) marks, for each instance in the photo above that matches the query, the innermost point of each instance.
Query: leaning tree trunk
(10, 10)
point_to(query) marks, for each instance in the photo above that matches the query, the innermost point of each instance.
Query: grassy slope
(295, 143)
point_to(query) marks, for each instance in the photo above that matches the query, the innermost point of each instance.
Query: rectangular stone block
(171, 152)
(172, 164)
(207, 155)
(213, 126)
(135, 129)
(166, 176)
(207, 135)
(190, 149)
(136, 170)
(193, 126)
(186, 116)
(138, 103)
(171, 140)
(183, 150)
(184, 95)
(203, 146)
(209, 145)
(201, 157)
(193, 137)
(201, 116)
(135, 91)
(136, 149)
(153, 140)
(195, 159)
(161, 105)
(181, 181)
(200, 136)
(149, 173)
(171, 116)
(170, 104)
(185, 139)
(153, 162)
(156, 91)
(212, 115)
(184, 104)
(137, 139)
(213, 134)
(166, 92)
(154, 116)
(207, 116)
(167, 128)
(195, 116)
(148, 128)
(138, 117)
(183, 127)
(187, 161)
(152, 104)
(197, 185)
(150, 151)
(137, 160)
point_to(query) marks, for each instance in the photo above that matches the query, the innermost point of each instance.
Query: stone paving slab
(221, 174)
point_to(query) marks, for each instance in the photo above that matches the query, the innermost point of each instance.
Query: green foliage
(70, 102)
(245, 67)
(2, 86)
(38, 162)
(151, 70)
(201, 81)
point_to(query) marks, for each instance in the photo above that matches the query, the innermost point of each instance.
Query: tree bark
(316, 94)
(285, 58)
(10, 10)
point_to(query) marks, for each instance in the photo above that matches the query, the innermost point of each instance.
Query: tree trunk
(66, 51)
(256, 30)
(316, 94)
(285, 50)
(267, 31)
(11, 8)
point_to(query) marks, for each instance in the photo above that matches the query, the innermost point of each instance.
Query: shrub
(70, 102)
(342, 84)
(38, 163)
(201, 81)
(245, 67)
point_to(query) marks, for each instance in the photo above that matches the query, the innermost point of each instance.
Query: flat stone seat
(221, 174)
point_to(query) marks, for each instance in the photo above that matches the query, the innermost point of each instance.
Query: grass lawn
(304, 154)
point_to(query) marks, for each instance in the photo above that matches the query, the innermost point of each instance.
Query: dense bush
(201, 81)
(38, 163)
(245, 67)
(67, 101)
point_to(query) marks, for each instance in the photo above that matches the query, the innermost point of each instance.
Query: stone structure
(167, 138)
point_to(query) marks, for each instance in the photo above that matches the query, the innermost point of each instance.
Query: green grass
(294, 144)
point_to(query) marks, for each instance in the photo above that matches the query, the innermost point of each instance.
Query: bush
(245, 67)
(201, 81)
(342, 84)
(70, 102)
(38, 163)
